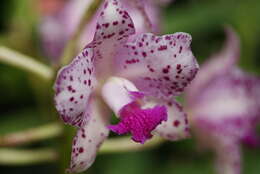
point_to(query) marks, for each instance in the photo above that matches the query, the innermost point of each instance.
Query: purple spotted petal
(89, 138)
(228, 157)
(219, 63)
(225, 145)
(228, 103)
(139, 122)
(161, 66)
(56, 29)
(226, 149)
(145, 15)
(114, 26)
(73, 87)
(226, 110)
(176, 127)
(224, 106)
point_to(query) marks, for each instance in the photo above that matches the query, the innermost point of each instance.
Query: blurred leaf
(6, 9)
(20, 120)
(15, 90)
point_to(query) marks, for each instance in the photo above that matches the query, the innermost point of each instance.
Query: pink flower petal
(161, 66)
(89, 138)
(227, 106)
(73, 87)
(176, 127)
(224, 113)
(145, 15)
(228, 160)
(226, 149)
(141, 6)
(224, 102)
(114, 26)
(56, 29)
(218, 64)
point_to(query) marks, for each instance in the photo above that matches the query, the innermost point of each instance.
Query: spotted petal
(228, 159)
(160, 66)
(89, 138)
(114, 26)
(226, 110)
(226, 149)
(228, 105)
(144, 15)
(73, 87)
(176, 127)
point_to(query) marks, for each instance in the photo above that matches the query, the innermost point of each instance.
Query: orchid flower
(57, 28)
(135, 76)
(224, 104)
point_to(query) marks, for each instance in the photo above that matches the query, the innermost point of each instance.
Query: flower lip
(139, 122)
(126, 101)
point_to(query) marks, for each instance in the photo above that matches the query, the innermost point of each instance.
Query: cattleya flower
(136, 76)
(225, 106)
(57, 28)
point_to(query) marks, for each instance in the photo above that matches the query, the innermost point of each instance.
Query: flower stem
(24, 62)
(9, 156)
(26, 157)
(70, 48)
(117, 145)
(32, 135)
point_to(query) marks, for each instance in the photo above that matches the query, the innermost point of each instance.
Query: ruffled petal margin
(176, 127)
(73, 86)
(89, 138)
(161, 66)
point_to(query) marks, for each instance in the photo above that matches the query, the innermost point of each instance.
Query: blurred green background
(26, 103)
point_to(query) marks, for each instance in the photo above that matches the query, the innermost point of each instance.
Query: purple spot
(165, 70)
(166, 78)
(106, 25)
(162, 47)
(131, 25)
(115, 22)
(180, 49)
(144, 54)
(71, 99)
(81, 150)
(176, 123)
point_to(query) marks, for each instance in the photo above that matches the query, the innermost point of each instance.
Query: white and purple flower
(224, 104)
(136, 76)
